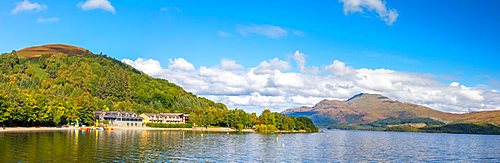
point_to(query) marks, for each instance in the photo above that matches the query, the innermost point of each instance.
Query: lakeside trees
(405, 120)
(267, 122)
(456, 128)
(465, 128)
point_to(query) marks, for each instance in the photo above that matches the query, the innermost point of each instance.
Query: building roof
(165, 114)
(114, 113)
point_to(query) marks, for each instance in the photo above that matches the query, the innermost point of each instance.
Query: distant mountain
(367, 108)
(54, 84)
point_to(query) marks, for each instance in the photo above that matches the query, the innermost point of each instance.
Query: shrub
(262, 128)
(240, 126)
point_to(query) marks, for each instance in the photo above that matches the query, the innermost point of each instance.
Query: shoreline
(197, 129)
(21, 129)
(201, 129)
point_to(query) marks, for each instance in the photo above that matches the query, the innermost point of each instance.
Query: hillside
(55, 84)
(367, 108)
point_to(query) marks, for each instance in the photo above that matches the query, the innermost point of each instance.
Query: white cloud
(272, 84)
(270, 66)
(97, 4)
(48, 20)
(304, 100)
(300, 60)
(454, 84)
(227, 64)
(149, 66)
(26, 5)
(180, 64)
(389, 16)
(339, 68)
(270, 31)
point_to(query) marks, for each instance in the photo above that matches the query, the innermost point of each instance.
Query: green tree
(5, 109)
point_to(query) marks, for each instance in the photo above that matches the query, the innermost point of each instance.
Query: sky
(270, 54)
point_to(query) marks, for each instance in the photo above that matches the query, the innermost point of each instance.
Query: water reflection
(142, 145)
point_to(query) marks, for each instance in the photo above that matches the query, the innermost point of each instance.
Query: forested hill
(55, 84)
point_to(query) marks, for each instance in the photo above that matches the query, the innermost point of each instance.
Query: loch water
(187, 146)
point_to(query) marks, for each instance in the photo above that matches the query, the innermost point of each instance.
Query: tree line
(267, 122)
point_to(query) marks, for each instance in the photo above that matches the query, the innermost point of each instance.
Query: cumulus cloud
(149, 66)
(300, 60)
(386, 14)
(227, 64)
(339, 68)
(454, 84)
(48, 20)
(273, 84)
(97, 4)
(270, 66)
(267, 30)
(180, 64)
(26, 5)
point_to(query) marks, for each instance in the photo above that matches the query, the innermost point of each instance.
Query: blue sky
(450, 40)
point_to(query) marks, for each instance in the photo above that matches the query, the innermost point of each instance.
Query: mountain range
(367, 108)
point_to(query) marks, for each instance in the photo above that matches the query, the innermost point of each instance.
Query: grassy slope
(51, 49)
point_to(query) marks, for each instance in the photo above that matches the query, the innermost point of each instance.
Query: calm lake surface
(164, 146)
